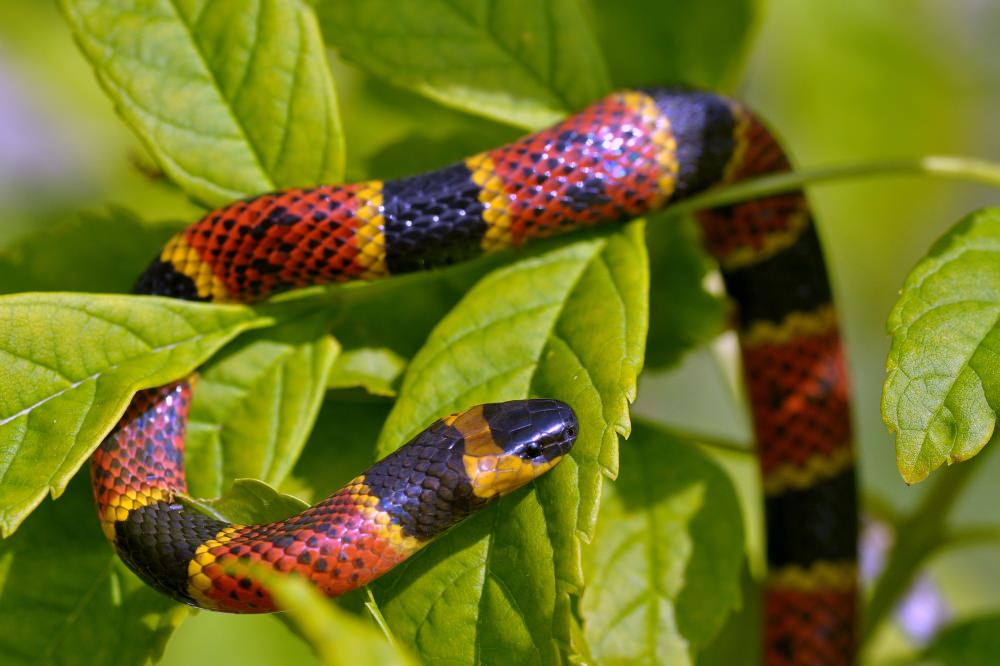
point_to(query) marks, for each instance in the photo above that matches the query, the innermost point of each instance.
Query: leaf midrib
(216, 85)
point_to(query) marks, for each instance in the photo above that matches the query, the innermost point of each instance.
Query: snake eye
(532, 451)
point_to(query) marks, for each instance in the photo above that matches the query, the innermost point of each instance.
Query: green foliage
(375, 369)
(974, 642)
(663, 572)
(523, 62)
(227, 109)
(339, 638)
(67, 599)
(63, 257)
(943, 390)
(256, 403)
(64, 392)
(513, 574)
(249, 501)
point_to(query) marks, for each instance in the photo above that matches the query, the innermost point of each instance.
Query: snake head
(508, 444)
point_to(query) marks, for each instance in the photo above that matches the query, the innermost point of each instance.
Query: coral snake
(626, 155)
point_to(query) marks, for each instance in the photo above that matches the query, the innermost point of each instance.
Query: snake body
(626, 155)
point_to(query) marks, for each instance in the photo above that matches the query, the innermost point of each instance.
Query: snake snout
(556, 426)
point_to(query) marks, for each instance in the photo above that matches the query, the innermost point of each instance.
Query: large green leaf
(663, 571)
(567, 323)
(255, 404)
(972, 642)
(232, 98)
(66, 599)
(103, 252)
(675, 41)
(942, 393)
(525, 62)
(69, 364)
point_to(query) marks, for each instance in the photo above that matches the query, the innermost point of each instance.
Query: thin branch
(965, 169)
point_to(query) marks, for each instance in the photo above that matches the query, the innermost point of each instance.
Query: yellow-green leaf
(942, 393)
(69, 364)
(232, 98)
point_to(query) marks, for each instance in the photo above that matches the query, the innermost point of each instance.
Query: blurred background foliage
(843, 82)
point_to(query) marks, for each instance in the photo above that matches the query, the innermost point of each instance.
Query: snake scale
(626, 155)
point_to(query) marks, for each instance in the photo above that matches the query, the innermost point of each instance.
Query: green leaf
(973, 642)
(342, 443)
(231, 98)
(375, 369)
(739, 640)
(249, 502)
(942, 393)
(338, 637)
(69, 364)
(566, 323)
(66, 599)
(526, 62)
(256, 402)
(663, 570)
(682, 313)
(675, 41)
(91, 252)
(417, 302)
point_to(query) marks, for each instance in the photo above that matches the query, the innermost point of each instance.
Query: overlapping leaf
(682, 313)
(663, 571)
(942, 394)
(974, 642)
(526, 62)
(567, 323)
(375, 369)
(69, 364)
(230, 98)
(66, 599)
(337, 637)
(256, 403)
(674, 41)
(102, 252)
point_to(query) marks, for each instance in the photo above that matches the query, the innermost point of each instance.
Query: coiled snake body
(628, 154)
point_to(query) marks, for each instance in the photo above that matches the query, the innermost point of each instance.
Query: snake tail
(629, 154)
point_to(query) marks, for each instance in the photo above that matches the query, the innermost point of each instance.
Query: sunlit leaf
(231, 98)
(663, 570)
(373, 369)
(69, 364)
(256, 402)
(943, 390)
(249, 502)
(526, 62)
(338, 637)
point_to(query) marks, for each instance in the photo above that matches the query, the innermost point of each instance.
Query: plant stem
(917, 537)
(966, 169)
(980, 535)
(372, 607)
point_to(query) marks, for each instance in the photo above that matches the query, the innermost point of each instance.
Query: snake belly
(626, 155)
